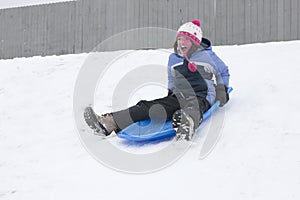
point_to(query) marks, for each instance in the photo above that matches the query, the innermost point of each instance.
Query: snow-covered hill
(41, 156)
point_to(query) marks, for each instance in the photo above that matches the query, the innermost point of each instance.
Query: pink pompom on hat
(191, 30)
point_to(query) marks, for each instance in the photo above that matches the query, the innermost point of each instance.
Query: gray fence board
(280, 20)
(230, 20)
(162, 20)
(153, 18)
(146, 11)
(247, 17)
(273, 25)
(287, 19)
(17, 33)
(14, 24)
(266, 19)
(78, 26)
(78, 44)
(254, 20)
(199, 11)
(196, 11)
(221, 25)
(41, 29)
(133, 14)
(27, 37)
(207, 8)
(260, 22)
(298, 24)
(239, 21)
(294, 19)
(1, 32)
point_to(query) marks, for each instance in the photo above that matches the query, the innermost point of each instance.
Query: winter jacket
(211, 71)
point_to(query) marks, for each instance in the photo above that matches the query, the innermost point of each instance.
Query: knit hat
(191, 30)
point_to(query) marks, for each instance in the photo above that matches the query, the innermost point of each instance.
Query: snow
(21, 3)
(256, 157)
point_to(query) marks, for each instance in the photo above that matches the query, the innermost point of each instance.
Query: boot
(102, 125)
(184, 125)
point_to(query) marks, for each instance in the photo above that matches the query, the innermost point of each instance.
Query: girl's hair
(175, 46)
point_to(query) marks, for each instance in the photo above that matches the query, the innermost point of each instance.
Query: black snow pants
(161, 108)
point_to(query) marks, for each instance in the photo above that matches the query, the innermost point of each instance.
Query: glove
(222, 94)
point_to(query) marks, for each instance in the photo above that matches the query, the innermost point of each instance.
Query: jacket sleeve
(170, 77)
(222, 70)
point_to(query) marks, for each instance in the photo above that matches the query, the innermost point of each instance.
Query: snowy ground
(257, 157)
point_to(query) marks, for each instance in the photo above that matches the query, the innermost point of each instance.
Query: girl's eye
(182, 39)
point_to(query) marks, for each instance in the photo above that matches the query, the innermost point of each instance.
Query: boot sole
(186, 128)
(91, 120)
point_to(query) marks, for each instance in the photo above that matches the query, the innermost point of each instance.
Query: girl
(197, 77)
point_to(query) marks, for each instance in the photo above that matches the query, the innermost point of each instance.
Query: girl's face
(184, 44)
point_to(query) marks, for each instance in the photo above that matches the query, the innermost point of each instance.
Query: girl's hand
(222, 94)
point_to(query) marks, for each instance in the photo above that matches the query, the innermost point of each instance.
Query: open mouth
(183, 48)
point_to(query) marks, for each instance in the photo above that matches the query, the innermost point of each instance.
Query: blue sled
(151, 130)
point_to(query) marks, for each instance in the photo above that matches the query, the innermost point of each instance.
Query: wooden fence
(79, 26)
